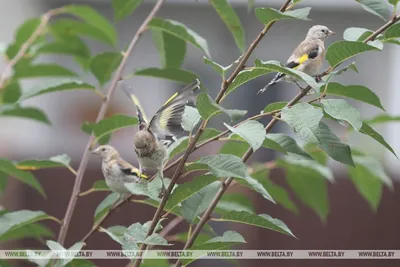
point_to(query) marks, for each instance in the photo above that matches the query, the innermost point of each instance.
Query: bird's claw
(318, 78)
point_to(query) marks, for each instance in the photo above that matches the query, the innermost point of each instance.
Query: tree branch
(100, 116)
(249, 152)
(25, 46)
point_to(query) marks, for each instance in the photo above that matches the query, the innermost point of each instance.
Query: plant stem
(100, 116)
(207, 214)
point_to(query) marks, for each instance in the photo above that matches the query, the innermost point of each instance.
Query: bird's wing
(305, 51)
(166, 123)
(143, 121)
(128, 169)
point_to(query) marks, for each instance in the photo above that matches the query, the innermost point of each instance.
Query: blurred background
(351, 223)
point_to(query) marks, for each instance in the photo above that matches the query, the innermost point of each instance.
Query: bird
(153, 138)
(117, 171)
(307, 57)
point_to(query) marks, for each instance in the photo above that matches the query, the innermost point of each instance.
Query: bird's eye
(324, 31)
(103, 149)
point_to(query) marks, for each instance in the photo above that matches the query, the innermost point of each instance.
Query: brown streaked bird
(307, 57)
(154, 137)
(117, 171)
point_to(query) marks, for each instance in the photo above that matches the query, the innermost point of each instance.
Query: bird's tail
(278, 77)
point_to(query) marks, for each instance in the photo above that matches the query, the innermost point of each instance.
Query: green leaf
(80, 263)
(232, 21)
(94, 19)
(207, 108)
(103, 65)
(316, 153)
(393, 32)
(58, 85)
(268, 143)
(150, 189)
(377, 7)
(3, 182)
(12, 221)
(33, 230)
(288, 144)
(172, 49)
(116, 233)
(104, 206)
(269, 15)
(251, 131)
(367, 130)
(42, 70)
(123, 8)
(340, 51)
(356, 34)
(173, 74)
(278, 193)
(276, 106)
(25, 112)
(37, 164)
(221, 70)
(181, 31)
(195, 205)
(69, 27)
(10, 93)
(234, 147)
(383, 119)
(137, 233)
(322, 170)
(73, 250)
(341, 110)
(226, 241)
(112, 124)
(190, 118)
(236, 202)
(357, 92)
(99, 185)
(309, 185)
(26, 29)
(225, 165)
(261, 220)
(188, 189)
(304, 119)
(394, 2)
(333, 146)
(72, 46)
(28, 178)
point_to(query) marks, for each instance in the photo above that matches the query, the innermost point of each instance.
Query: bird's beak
(96, 151)
(332, 32)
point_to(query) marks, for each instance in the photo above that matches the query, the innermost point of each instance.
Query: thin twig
(25, 46)
(207, 214)
(100, 116)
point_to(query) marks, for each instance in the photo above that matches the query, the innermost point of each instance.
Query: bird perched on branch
(154, 137)
(117, 171)
(307, 57)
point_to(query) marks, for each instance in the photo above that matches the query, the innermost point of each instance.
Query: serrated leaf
(103, 65)
(234, 147)
(207, 108)
(123, 8)
(188, 189)
(357, 92)
(269, 15)
(392, 33)
(251, 131)
(18, 219)
(173, 74)
(112, 124)
(42, 70)
(190, 118)
(333, 146)
(288, 144)
(94, 19)
(195, 205)
(105, 205)
(340, 51)
(276, 106)
(341, 110)
(36, 164)
(172, 49)
(232, 21)
(377, 7)
(304, 119)
(70, 27)
(258, 187)
(25, 112)
(356, 34)
(309, 185)
(236, 202)
(181, 31)
(28, 178)
(56, 86)
(225, 165)
(261, 220)
(368, 130)
(34, 230)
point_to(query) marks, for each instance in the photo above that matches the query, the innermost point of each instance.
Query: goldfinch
(154, 137)
(307, 57)
(117, 171)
